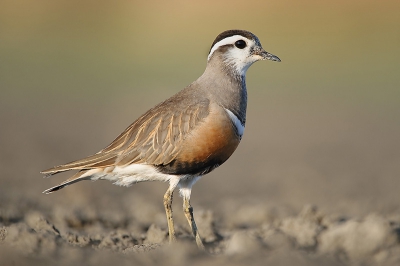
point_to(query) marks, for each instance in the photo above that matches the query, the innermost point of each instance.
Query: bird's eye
(240, 44)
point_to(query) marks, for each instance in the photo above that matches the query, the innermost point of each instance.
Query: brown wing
(152, 139)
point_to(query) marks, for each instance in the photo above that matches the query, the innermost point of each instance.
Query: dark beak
(267, 56)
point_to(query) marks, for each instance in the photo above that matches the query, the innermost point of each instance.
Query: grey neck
(227, 87)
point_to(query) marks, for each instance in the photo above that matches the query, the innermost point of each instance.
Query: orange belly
(207, 146)
(214, 139)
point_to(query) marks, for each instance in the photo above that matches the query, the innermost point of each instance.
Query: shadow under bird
(185, 136)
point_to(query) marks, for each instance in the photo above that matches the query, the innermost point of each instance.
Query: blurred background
(323, 126)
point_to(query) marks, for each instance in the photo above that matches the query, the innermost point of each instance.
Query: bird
(184, 137)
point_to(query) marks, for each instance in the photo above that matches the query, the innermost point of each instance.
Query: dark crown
(230, 33)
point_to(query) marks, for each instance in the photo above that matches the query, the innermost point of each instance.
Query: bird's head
(238, 50)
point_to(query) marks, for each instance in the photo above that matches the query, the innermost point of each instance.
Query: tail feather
(87, 169)
(53, 189)
(81, 175)
(64, 184)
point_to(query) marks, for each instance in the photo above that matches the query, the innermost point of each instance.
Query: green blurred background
(342, 50)
(74, 74)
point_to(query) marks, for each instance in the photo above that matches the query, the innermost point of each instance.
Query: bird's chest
(212, 142)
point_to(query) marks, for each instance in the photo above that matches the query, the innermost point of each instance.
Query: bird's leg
(168, 211)
(188, 210)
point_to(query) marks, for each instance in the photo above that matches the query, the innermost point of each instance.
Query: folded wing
(152, 139)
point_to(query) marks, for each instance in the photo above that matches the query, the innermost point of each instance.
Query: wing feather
(154, 138)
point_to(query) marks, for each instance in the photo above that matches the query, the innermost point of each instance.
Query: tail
(81, 175)
(87, 167)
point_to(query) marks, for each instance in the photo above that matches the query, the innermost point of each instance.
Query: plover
(184, 137)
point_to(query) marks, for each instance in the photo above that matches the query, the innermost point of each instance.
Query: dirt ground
(309, 185)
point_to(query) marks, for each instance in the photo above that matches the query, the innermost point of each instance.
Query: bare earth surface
(309, 185)
(315, 180)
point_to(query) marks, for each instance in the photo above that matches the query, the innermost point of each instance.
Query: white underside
(135, 173)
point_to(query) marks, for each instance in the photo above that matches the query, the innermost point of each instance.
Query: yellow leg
(188, 210)
(168, 211)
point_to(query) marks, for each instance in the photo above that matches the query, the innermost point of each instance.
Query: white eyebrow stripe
(238, 124)
(229, 40)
